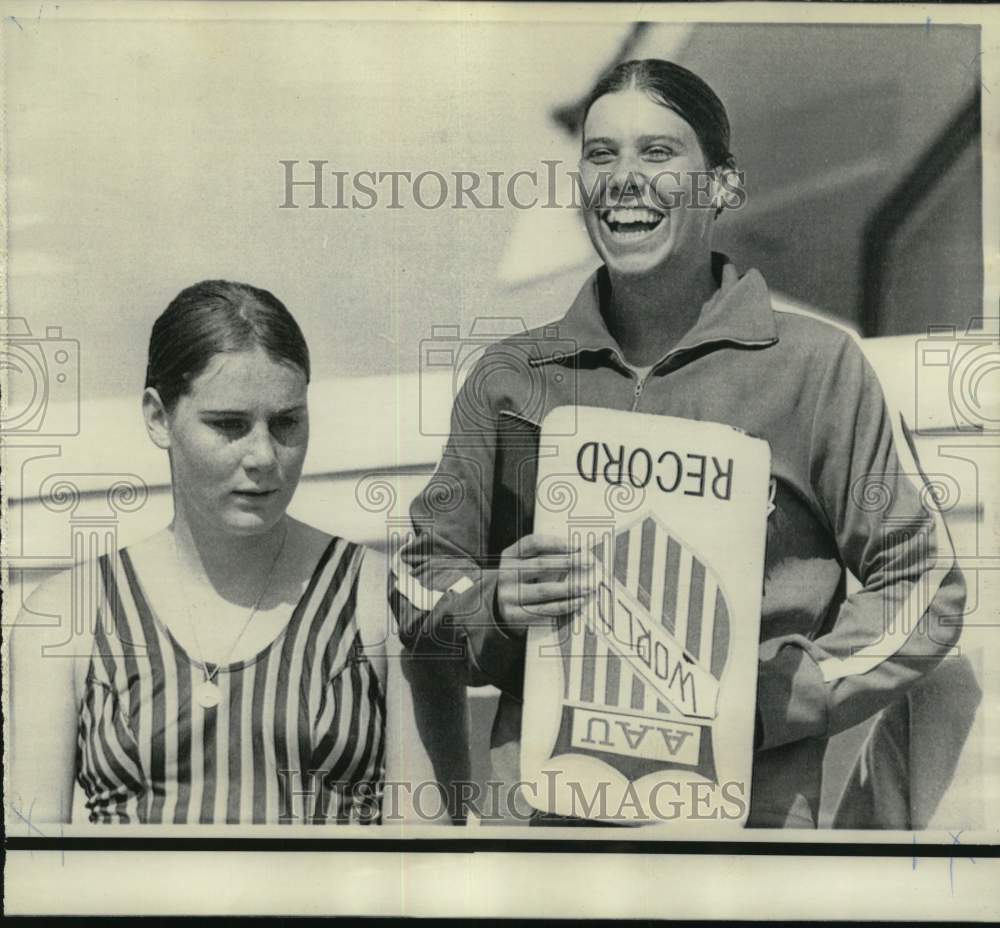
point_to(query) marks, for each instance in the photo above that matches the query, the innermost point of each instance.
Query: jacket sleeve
(891, 536)
(443, 582)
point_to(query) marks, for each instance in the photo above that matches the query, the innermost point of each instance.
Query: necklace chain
(210, 677)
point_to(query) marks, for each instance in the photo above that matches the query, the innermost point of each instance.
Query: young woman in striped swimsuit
(238, 662)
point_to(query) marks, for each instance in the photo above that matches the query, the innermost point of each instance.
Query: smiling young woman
(240, 666)
(667, 326)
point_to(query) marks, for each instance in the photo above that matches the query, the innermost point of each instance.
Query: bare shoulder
(51, 593)
(308, 536)
(372, 612)
(53, 632)
(47, 613)
(306, 544)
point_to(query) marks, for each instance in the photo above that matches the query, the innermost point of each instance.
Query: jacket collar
(739, 313)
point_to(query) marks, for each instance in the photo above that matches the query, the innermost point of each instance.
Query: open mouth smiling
(630, 224)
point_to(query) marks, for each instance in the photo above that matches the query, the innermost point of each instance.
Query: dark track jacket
(848, 496)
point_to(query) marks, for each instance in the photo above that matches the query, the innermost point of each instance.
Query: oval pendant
(207, 695)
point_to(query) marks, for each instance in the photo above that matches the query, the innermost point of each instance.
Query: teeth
(632, 216)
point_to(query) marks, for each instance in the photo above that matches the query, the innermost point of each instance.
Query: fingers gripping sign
(543, 579)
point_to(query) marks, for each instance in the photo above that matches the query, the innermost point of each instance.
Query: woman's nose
(260, 449)
(627, 178)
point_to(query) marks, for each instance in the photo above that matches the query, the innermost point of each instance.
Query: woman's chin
(642, 258)
(255, 526)
(635, 263)
(249, 523)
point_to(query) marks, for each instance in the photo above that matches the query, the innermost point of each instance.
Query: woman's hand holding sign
(543, 578)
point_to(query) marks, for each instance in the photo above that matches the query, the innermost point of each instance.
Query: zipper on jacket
(640, 383)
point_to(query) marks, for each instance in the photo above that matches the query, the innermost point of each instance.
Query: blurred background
(145, 155)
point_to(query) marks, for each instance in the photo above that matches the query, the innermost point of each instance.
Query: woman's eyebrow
(643, 140)
(298, 407)
(599, 140)
(672, 139)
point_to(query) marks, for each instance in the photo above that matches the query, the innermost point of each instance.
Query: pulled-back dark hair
(680, 90)
(217, 316)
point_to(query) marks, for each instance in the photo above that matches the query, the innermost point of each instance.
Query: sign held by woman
(639, 707)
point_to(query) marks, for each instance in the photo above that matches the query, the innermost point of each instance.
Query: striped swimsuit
(297, 737)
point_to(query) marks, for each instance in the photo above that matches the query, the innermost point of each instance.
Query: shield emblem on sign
(642, 667)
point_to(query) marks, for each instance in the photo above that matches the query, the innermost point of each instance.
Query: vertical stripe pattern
(297, 736)
(677, 589)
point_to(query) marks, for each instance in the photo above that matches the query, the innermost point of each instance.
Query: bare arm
(426, 722)
(43, 666)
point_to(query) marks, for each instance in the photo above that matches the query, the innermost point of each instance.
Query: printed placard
(640, 708)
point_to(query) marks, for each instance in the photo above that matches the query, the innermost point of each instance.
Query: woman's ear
(156, 417)
(728, 191)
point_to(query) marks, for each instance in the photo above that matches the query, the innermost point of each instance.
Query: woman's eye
(232, 428)
(286, 428)
(229, 426)
(600, 156)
